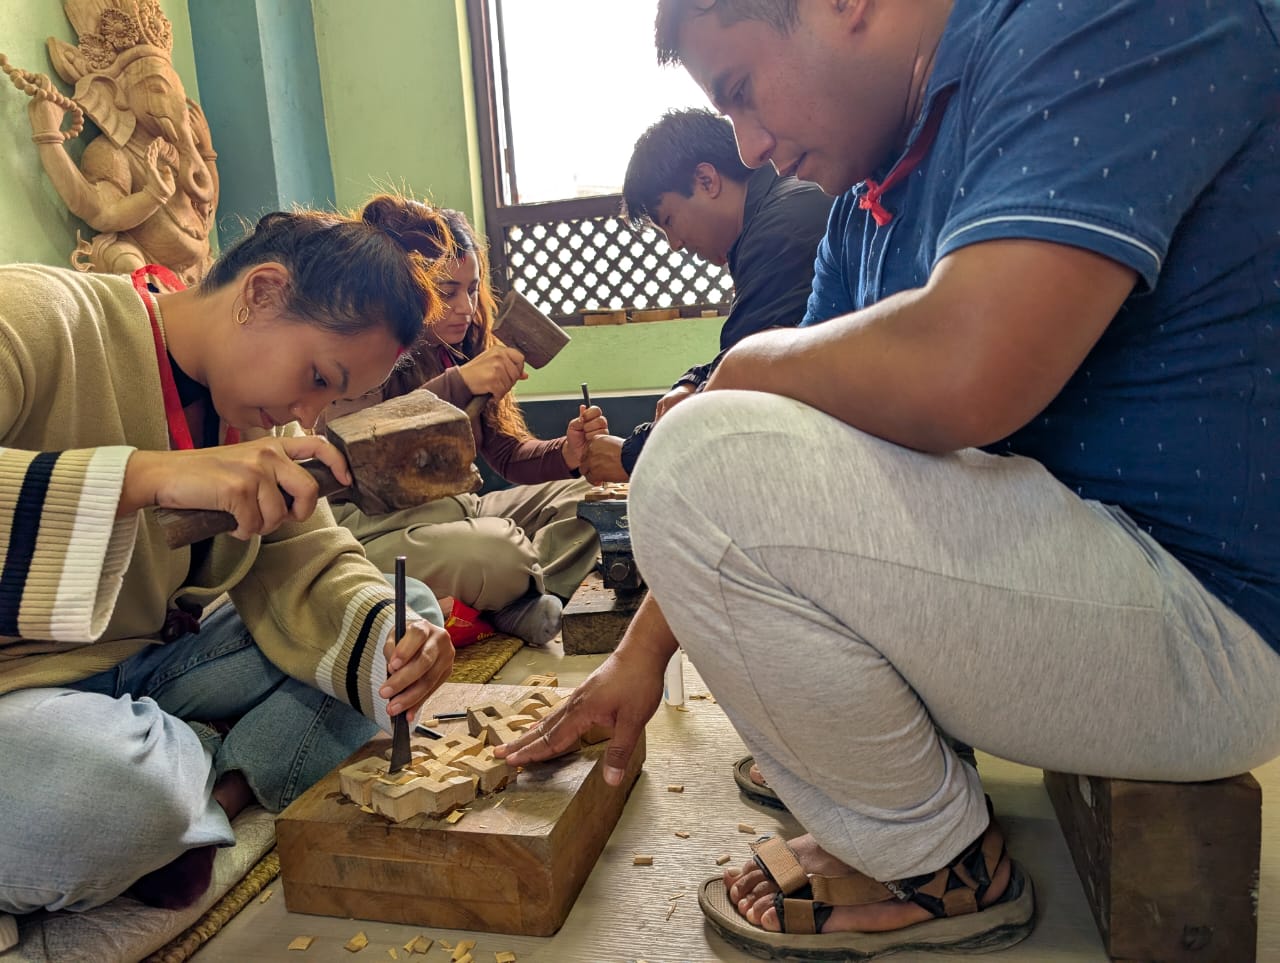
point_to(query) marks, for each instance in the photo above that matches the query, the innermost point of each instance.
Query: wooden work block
(596, 617)
(655, 314)
(515, 864)
(605, 317)
(1169, 869)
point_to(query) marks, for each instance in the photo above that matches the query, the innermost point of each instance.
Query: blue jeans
(110, 778)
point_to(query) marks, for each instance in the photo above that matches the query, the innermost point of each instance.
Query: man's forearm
(648, 638)
(879, 370)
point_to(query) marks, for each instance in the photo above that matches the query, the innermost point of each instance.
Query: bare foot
(232, 793)
(752, 893)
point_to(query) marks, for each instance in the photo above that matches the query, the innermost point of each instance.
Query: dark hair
(672, 14)
(422, 362)
(667, 155)
(349, 273)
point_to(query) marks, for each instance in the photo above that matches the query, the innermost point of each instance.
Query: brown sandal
(760, 792)
(952, 895)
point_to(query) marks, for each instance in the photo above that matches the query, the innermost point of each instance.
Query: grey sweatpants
(844, 598)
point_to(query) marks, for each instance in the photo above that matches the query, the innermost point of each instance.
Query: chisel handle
(186, 526)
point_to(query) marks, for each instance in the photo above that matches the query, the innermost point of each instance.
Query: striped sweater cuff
(354, 669)
(65, 552)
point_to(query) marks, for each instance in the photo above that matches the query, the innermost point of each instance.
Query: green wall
(398, 104)
(626, 357)
(261, 81)
(37, 226)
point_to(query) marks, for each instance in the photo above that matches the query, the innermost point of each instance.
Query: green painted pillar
(262, 95)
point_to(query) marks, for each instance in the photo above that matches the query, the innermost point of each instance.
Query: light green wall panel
(625, 357)
(37, 226)
(396, 82)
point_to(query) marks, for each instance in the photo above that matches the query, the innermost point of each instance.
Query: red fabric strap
(870, 201)
(179, 432)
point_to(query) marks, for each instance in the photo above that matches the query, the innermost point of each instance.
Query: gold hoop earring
(242, 315)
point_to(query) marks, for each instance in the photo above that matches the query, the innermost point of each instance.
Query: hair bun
(416, 227)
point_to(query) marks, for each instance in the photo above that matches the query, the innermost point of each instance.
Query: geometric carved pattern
(567, 267)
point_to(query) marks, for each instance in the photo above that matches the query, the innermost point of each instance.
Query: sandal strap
(779, 864)
(957, 889)
(854, 889)
(799, 915)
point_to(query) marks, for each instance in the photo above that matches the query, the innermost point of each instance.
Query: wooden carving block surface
(1170, 870)
(515, 864)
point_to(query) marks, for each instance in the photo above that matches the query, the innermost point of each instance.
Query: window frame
(503, 211)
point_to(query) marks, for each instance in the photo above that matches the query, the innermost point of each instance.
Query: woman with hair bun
(131, 732)
(512, 555)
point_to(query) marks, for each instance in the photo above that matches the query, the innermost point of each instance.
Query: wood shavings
(675, 896)
(301, 942)
(506, 956)
(672, 912)
(462, 951)
(454, 816)
(681, 834)
(721, 860)
(638, 860)
(681, 708)
(391, 952)
(266, 895)
(446, 945)
(356, 943)
(465, 958)
(675, 788)
(744, 828)
(366, 809)
(419, 945)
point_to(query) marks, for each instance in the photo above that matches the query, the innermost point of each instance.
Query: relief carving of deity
(147, 183)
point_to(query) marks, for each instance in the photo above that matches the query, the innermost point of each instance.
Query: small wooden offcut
(1170, 870)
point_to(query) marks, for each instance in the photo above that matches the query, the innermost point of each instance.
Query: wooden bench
(1170, 870)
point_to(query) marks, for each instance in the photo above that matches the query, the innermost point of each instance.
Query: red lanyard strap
(870, 201)
(179, 433)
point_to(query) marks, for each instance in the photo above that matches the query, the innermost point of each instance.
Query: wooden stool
(1170, 870)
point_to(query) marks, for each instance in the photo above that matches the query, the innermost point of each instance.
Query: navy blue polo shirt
(1148, 133)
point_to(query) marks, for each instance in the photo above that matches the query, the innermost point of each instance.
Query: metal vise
(609, 516)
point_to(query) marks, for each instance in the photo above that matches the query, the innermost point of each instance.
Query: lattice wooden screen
(570, 266)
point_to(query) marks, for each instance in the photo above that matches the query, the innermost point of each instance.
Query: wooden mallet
(522, 326)
(401, 453)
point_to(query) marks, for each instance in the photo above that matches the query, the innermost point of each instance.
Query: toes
(753, 901)
(768, 918)
(745, 882)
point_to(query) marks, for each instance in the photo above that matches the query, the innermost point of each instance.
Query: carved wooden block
(492, 773)
(480, 717)
(357, 779)
(401, 799)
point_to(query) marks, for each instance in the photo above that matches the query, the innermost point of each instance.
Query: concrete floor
(629, 913)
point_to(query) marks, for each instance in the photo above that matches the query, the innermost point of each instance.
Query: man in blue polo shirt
(1020, 483)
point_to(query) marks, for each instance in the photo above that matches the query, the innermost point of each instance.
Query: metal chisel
(399, 723)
